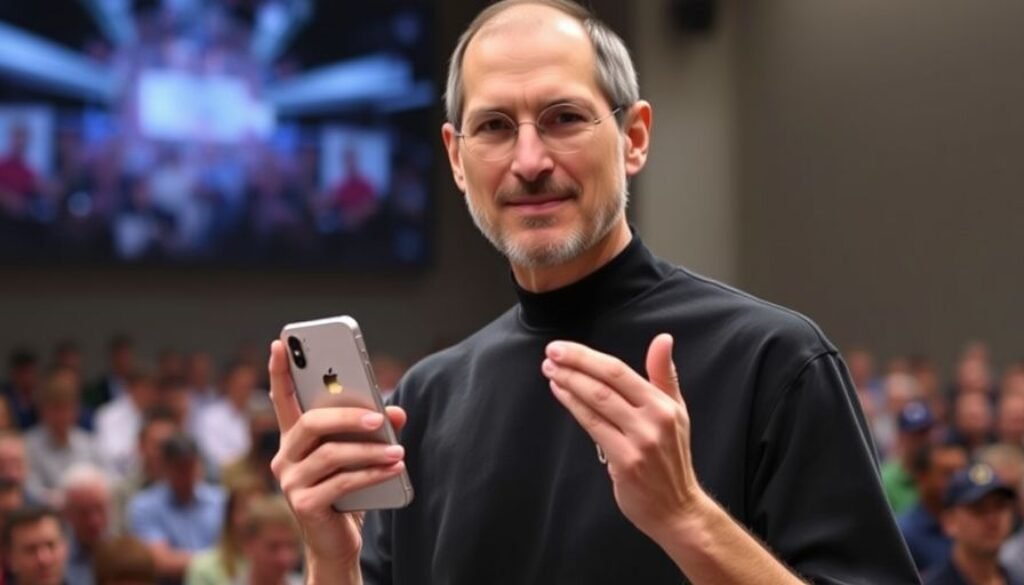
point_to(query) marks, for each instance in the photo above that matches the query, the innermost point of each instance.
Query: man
(180, 515)
(1010, 419)
(14, 465)
(972, 421)
(932, 467)
(222, 428)
(915, 423)
(157, 427)
(87, 499)
(34, 546)
(554, 445)
(114, 382)
(271, 545)
(118, 422)
(56, 442)
(20, 389)
(978, 517)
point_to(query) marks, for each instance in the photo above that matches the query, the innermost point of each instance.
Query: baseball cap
(970, 485)
(915, 417)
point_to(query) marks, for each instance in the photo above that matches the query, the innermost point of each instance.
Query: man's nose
(531, 157)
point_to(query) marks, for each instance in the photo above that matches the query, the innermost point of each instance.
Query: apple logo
(331, 382)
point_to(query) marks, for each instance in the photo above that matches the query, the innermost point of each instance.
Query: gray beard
(555, 253)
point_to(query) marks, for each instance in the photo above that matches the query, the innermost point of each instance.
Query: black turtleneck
(509, 488)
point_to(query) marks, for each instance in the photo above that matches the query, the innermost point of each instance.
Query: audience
(181, 514)
(86, 497)
(34, 546)
(978, 519)
(143, 471)
(124, 560)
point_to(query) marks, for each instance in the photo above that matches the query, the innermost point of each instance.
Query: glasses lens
(491, 136)
(565, 127)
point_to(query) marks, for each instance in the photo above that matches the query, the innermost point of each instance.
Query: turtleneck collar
(609, 287)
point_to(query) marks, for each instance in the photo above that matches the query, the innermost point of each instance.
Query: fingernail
(556, 350)
(548, 367)
(394, 451)
(372, 420)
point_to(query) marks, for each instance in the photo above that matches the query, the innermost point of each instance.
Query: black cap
(969, 486)
(178, 448)
(916, 417)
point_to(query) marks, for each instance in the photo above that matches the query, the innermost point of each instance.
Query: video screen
(295, 133)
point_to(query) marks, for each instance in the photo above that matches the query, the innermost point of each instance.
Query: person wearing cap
(978, 517)
(915, 422)
(181, 515)
(932, 467)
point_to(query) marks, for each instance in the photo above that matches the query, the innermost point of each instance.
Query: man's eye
(565, 118)
(492, 126)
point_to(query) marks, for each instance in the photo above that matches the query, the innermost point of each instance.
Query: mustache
(542, 186)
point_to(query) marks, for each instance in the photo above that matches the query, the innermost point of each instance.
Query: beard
(592, 228)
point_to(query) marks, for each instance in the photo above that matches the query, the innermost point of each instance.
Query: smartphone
(330, 368)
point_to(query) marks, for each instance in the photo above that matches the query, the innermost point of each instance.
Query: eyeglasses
(563, 128)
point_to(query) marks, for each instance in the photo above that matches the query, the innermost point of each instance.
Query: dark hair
(123, 558)
(921, 458)
(22, 357)
(25, 516)
(171, 382)
(154, 416)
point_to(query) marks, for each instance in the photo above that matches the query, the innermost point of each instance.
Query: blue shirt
(155, 516)
(928, 544)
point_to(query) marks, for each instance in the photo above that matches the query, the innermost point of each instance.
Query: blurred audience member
(974, 371)
(86, 496)
(18, 182)
(14, 465)
(927, 377)
(114, 383)
(118, 422)
(222, 428)
(180, 515)
(1006, 460)
(1013, 380)
(1010, 419)
(124, 560)
(7, 421)
(223, 564)
(55, 444)
(173, 396)
(899, 390)
(20, 388)
(915, 423)
(157, 426)
(12, 497)
(34, 546)
(265, 438)
(199, 375)
(932, 467)
(67, 355)
(861, 364)
(978, 518)
(271, 544)
(972, 421)
(170, 363)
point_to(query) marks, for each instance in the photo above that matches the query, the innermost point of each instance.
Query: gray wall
(858, 161)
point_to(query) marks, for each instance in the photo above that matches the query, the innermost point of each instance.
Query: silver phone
(330, 368)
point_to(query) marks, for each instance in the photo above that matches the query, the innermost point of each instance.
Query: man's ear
(637, 134)
(451, 145)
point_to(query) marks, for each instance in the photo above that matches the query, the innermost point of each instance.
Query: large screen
(217, 132)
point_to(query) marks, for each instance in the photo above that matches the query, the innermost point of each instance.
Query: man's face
(945, 462)
(973, 416)
(274, 550)
(87, 509)
(59, 416)
(981, 527)
(538, 207)
(38, 553)
(12, 459)
(156, 433)
(1011, 418)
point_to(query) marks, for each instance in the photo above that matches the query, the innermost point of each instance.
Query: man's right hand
(313, 473)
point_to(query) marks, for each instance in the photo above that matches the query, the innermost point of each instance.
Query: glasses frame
(594, 122)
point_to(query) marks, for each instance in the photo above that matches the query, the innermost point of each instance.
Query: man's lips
(537, 203)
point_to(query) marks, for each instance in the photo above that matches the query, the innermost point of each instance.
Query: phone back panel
(338, 374)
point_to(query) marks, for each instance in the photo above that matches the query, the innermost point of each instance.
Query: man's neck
(978, 569)
(547, 278)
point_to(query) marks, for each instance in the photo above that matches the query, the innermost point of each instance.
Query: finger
(608, 369)
(338, 457)
(315, 425)
(661, 370)
(282, 392)
(601, 430)
(398, 417)
(595, 394)
(315, 499)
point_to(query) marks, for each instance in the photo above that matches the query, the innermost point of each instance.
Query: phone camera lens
(297, 354)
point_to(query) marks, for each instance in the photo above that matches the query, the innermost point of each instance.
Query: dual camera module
(295, 347)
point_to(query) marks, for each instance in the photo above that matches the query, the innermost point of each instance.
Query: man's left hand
(641, 425)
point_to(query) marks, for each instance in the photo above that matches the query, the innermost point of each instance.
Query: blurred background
(180, 178)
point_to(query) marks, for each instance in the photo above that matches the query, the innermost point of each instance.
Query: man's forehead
(531, 19)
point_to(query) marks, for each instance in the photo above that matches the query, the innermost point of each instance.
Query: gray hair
(83, 474)
(616, 75)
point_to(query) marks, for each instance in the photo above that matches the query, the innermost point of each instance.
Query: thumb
(660, 369)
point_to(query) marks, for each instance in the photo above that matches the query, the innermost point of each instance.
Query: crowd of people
(143, 475)
(163, 475)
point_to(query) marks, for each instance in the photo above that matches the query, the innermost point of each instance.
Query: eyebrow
(492, 109)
